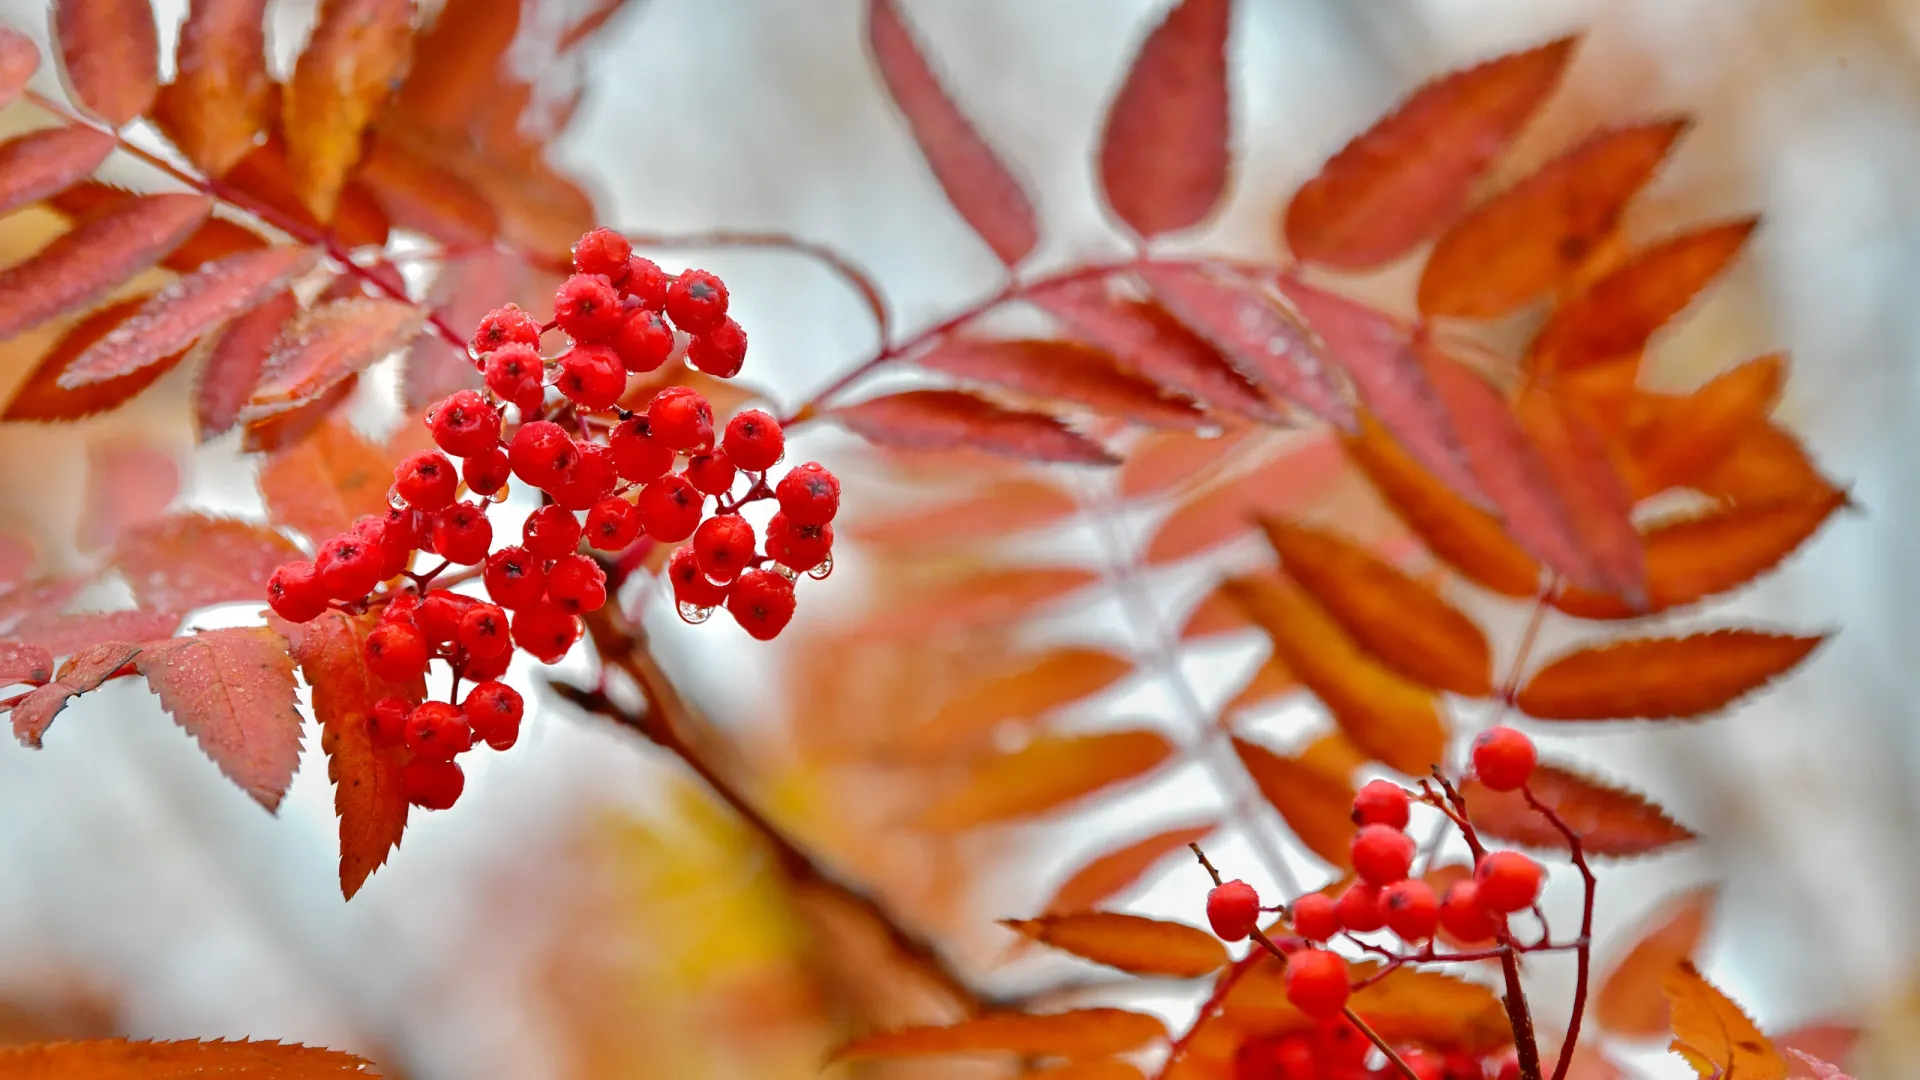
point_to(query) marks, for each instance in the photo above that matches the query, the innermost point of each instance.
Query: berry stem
(1583, 952)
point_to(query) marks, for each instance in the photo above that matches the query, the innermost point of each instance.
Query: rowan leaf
(950, 419)
(1049, 772)
(20, 662)
(41, 163)
(266, 175)
(1167, 460)
(1406, 1006)
(325, 345)
(1661, 678)
(1164, 152)
(1617, 315)
(1260, 339)
(190, 560)
(1304, 470)
(1629, 1001)
(999, 508)
(37, 599)
(1064, 370)
(367, 792)
(124, 1059)
(40, 397)
(1316, 804)
(232, 690)
(995, 595)
(355, 57)
(1386, 717)
(1132, 943)
(19, 59)
(458, 63)
(1609, 820)
(1024, 690)
(1708, 1023)
(1102, 1069)
(84, 670)
(322, 483)
(1767, 463)
(86, 262)
(424, 195)
(1398, 620)
(1594, 503)
(221, 98)
(975, 180)
(1270, 680)
(1078, 1034)
(62, 635)
(235, 358)
(110, 53)
(1406, 177)
(1105, 875)
(128, 484)
(1684, 443)
(281, 429)
(1532, 238)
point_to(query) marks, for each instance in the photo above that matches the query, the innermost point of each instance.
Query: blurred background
(591, 911)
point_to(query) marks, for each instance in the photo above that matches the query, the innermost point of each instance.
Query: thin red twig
(1583, 953)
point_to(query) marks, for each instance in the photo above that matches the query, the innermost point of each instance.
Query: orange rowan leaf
(1400, 621)
(1049, 772)
(997, 509)
(221, 98)
(1685, 443)
(1660, 678)
(19, 59)
(1386, 717)
(1164, 151)
(1405, 178)
(190, 560)
(20, 662)
(1025, 690)
(1163, 461)
(234, 362)
(1533, 237)
(423, 195)
(1219, 613)
(975, 180)
(1316, 804)
(1609, 819)
(984, 597)
(85, 670)
(1104, 1069)
(1628, 1000)
(457, 62)
(1302, 470)
(1105, 875)
(83, 264)
(1132, 943)
(111, 55)
(949, 419)
(1714, 1035)
(279, 430)
(1081, 1033)
(352, 61)
(40, 163)
(232, 690)
(123, 1059)
(128, 484)
(1618, 314)
(40, 396)
(1595, 506)
(1064, 370)
(1270, 680)
(321, 484)
(325, 345)
(267, 176)
(1767, 462)
(367, 793)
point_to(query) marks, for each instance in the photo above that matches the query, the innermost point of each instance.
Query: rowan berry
(670, 508)
(644, 341)
(696, 301)
(432, 785)
(506, 326)
(1233, 910)
(723, 545)
(1382, 855)
(690, 584)
(542, 453)
(681, 418)
(462, 533)
(1423, 1064)
(591, 479)
(719, 352)
(1317, 983)
(438, 730)
(753, 440)
(612, 524)
(1359, 908)
(1341, 1044)
(637, 455)
(464, 423)
(592, 376)
(761, 601)
(387, 722)
(1463, 917)
(798, 547)
(402, 528)
(481, 668)
(1504, 759)
(711, 472)
(486, 472)
(402, 607)
(396, 652)
(545, 631)
(1460, 1065)
(602, 251)
(438, 616)
(647, 283)
(515, 373)
(483, 631)
(294, 592)
(577, 584)
(1291, 1058)
(515, 578)
(1314, 917)
(809, 494)
(1381, 802)
(426, 480)
(588, 308)
(1508, 881)
(347, 567)
(494, 709)
(1508, 1067)
(1411, 909)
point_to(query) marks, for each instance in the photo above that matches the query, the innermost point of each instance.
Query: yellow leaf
(358, 51)
(1132, 943)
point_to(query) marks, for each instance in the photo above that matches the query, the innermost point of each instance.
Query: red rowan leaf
(190, 560)
(127, 484)
(425, 196)
(1081, 1033)
(1302, 471)
(1262, 341)
(1162, 462)
(1100, 878)
(215, 238)
(367, 793)
(1405, 178)
(62, 635)
(267, 176)
(1386, 717)
(20, 662)
(279, 430)
(963, 601)
(40, 598)
(111, 55)
(232, 690)
(1661, 678)
(1132, 943)
(976, 182)
(1316, 804)
(354, 58)
(235, 359)
(19, 59)
(1597, 509)
(1049, 772)
(40, 397)
(321, 484)
(221, 98)
(1164, 152)
(1610, 820)
(997, 509)
(177, 315)
(1533, 237)
(325, 345)
(1713, 1034)
(123, 1059)
(82, 265)
(950, 419)
(83, 671)
(40, 163)
(1026, 689)
(1063, 370)
(1398, 620)
(1617, 315)
(1685, 443)
(1629, 1001)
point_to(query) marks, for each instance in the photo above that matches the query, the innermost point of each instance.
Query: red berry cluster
(1337, 1050)
(638, 477)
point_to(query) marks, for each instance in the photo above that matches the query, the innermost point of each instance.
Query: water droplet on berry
(694, 613)
(785, 571)
(819, 573)
(395, 499)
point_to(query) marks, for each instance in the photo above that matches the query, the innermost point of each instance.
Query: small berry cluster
(639, 478)
(1337, 1050)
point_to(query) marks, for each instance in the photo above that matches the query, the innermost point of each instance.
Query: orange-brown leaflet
(321, 484)
(40, 396)
(221, 97)
(1105, 875)
(234, 363)
(1131, 943)
(1064, 370)
(947, 419)
(1164, 152)
(232, 690)
(1661, 678)
(265, 176)
(1629, 1001)
(124, 1059)
(1682, 443)
(357, 52)
(40, 163)
(1301, 471)
(1609, 820)
(1767, 462)
(84, 263)
(1596, 508)
(111, 54)
(1049, 772)
(457, 65)
(1712, 1032)
(422, 195)
(1081, 1033)
(979, 598)
(997, 509)
(1315, 804)
(1271, 679)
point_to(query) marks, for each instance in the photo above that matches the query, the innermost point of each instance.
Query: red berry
(1424, 1065)
(464, 423)
(720, 352)
(347, 567)
(670, 508)
(1509, 1067)
(515, 374)
(294, 592)
(809, 494)
(438, 616)
(402, 607)
(592, 376)
(711, 472)
(1412, 911)
(681, 418)
(761, 601)
(690, 585)
(438, 730)
(506, 326)
(1359, 908)
(1462, 917)
(613, 524)
(588, 308)
(1381, 802)
(542, 453)
(1382, 855)
(754, 440)
(724, 546)
(426, 480)
(637, 455)
(387, 723)
(396, 652)
(696, 301)
(1314, 917)
(1503, 758)
(462, 533)
(592, 479)
(483, 631)
(604, 252)
(644, 341)
(545, 631)
(515, 578)
(1317, 983)
(486, 472)
(432, 785)
(1341, 1044)
(482, 668)
(1508, 881)
(646, 282)
(577, 584)
(1233, 910)
(494, 710)
(798, 547)
(551, 532)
